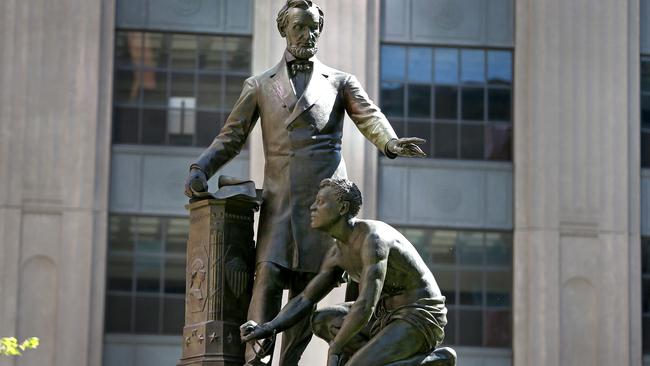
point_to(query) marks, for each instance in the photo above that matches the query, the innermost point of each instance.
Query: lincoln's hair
(302, 4)
(344, 190)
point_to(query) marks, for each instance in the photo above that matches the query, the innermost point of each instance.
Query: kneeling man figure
(400, 314)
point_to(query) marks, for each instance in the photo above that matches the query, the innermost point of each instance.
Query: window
(145, 291)
(458, 99)
(176, 89)
(474, 272)
(645, 111)
(645, 283)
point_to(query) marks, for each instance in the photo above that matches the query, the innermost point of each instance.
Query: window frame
(455, 308)
(223, 73)
(645, 296)
(161, 256)
(644, 129)
(405, 119)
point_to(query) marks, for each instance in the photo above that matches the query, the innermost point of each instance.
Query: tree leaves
(9, 346)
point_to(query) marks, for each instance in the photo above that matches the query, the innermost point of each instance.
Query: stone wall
(55, 72)
(576, 267)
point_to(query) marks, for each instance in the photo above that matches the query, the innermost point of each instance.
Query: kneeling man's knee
(319, 324)
(326, 322)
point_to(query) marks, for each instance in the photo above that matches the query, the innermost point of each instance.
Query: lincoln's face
(326, 209)
(302, 32)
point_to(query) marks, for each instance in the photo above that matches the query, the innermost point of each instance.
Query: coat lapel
(316, 86)
(282, 86)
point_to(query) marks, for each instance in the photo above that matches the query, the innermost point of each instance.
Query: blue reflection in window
(420, 62)
(499, 67)
(472, 66)
(393, 63)
(446, 66)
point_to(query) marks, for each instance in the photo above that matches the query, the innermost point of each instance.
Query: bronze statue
(301, 104)
(400, 314)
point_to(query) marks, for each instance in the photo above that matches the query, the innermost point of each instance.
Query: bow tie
(298, 66)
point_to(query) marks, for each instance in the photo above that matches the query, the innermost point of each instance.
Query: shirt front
(299, 72)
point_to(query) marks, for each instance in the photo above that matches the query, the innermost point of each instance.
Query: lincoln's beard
(303, 52)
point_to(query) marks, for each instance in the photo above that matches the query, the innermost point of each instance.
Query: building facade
(532, 207)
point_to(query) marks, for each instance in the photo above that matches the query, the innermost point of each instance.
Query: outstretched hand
(407, 146)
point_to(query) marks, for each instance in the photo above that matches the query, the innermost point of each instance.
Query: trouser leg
(296, 338)
(265, 303)
(399, 340)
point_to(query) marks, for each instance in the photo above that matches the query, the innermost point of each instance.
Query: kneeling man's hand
(334, 359)
(334, 355)
(251, 331)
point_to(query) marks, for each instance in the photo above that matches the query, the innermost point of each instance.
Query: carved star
(213, 337)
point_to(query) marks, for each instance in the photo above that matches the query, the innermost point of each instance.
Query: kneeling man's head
(337, 199)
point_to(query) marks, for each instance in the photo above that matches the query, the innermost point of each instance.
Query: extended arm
(230, 140)
(374, 125)
(375, 262)
(301, 305)
(367, 116)
(233, 135)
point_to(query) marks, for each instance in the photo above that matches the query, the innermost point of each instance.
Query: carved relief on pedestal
(237, 276)
(196, 335)
(216, 258)
(197, 284)
(196, 217)
(219, 274)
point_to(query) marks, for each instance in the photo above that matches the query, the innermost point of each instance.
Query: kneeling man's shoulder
(377, 229)
(375, 234)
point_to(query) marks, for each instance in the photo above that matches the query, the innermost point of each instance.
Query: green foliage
(9, 346)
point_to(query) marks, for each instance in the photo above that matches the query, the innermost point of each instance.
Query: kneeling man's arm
(300, 306)
(374, 256)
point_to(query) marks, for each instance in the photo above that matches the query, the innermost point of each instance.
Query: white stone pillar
(55, 72)
(576, 164)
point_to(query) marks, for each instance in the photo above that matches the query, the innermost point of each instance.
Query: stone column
(576, 164)
(220, 262)
(55, 72)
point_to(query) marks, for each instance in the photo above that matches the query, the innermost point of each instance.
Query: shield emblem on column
(237, 276)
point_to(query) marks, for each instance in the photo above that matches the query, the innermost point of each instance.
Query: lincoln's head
(337, 199)
(300, 22)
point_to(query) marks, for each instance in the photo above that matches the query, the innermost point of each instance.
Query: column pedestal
(219, 282)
